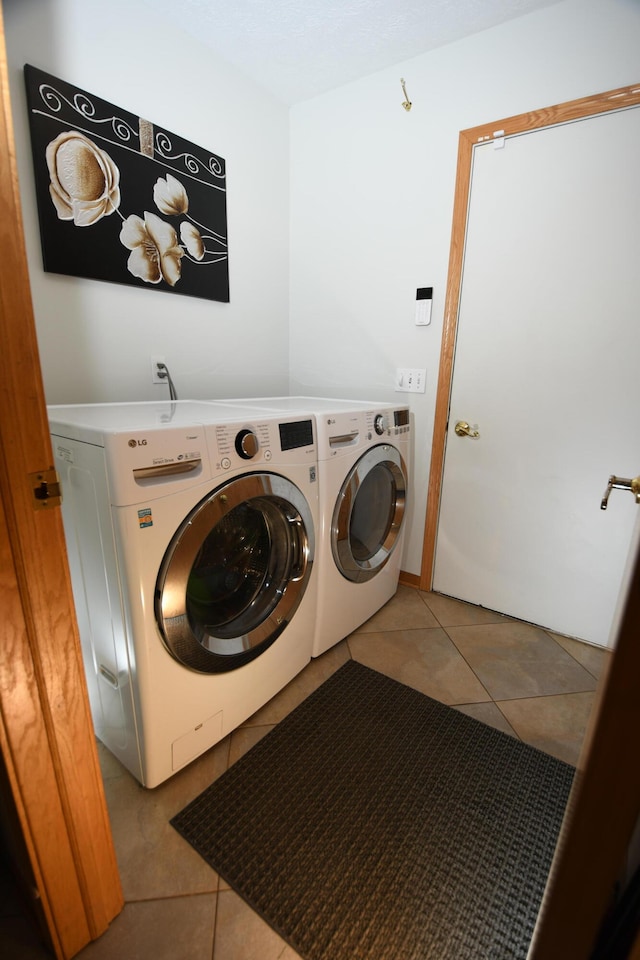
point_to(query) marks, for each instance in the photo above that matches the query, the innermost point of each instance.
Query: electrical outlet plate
(154, 370)
(410, 380)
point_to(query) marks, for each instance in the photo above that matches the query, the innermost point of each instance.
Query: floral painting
(122, 199)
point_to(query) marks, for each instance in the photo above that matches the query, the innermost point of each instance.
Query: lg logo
(137, 443)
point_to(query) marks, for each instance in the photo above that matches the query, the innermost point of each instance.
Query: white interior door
(547, 368)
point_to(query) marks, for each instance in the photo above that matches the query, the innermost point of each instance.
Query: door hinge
(45, 486)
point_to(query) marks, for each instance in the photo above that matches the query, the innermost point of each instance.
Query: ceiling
(298, 49)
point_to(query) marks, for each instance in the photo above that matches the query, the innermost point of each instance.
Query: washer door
(235, 573)
(368, 514)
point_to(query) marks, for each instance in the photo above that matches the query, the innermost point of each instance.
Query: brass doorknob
(463, 429)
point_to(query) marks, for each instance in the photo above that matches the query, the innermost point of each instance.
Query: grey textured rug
(375, 823)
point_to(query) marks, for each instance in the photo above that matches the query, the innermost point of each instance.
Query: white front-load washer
(191, 534)
(364, 450)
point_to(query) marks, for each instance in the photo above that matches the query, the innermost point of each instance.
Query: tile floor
(531, 683)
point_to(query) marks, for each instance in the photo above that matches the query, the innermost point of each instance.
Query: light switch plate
(410, 380)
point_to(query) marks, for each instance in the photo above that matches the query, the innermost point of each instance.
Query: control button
(225, 463)
(380, 424)
(268, 454)
(246, 444)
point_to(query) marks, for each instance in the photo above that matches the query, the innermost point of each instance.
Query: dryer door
(368, 514)
(235, 573)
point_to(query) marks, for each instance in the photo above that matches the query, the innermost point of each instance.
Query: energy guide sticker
(145, 518)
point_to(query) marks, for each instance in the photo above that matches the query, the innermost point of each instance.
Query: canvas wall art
(122, 199)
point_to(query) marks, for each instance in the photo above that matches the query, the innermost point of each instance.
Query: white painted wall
(372, 196)
(96, 339)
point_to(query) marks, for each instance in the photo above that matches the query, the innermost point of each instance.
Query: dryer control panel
(265, 441)
(391, 423)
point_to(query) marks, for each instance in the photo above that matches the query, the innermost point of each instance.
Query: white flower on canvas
(170, 197)
(155, 253)
(192, 239)
(84, 179)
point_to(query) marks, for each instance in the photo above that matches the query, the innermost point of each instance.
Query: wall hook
(406, 102)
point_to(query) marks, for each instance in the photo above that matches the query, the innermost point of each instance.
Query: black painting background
(95, 251)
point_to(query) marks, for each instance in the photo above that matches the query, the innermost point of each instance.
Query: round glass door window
(235, 573)
(368, 514)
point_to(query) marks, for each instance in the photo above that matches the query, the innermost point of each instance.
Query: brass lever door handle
(463, 429)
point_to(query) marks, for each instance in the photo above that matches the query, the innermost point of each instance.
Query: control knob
(380, 423)
(246, 444)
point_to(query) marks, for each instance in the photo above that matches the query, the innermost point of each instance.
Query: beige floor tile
(242, 935)
(180, 928)
(423, 659)
(554, 724)
(308, 680)
(244, 738)
(593, 659)
(110, 766)
(153, 859)
(488, 713)
(456, 613)
(515, 659)
(405, 611)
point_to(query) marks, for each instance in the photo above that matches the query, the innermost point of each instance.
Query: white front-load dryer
(191, 534)
(364, 450)
(364, 463)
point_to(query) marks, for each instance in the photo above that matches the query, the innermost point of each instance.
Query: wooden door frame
(522, 123)
(46, 732)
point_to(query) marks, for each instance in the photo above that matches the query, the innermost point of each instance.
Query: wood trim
(19, 701)
(603, 808)
(409, 579)
(46, 733)
(522, 123)
(447, 349)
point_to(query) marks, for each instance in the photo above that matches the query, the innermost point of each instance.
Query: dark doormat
(374, 823)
